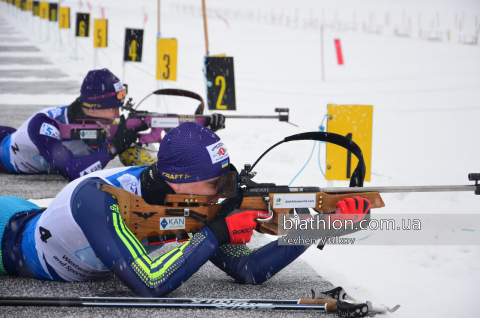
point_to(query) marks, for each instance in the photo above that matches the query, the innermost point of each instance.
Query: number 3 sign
(167, 59)
(221, 83)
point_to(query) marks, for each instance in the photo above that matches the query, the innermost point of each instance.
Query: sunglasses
(120, 95)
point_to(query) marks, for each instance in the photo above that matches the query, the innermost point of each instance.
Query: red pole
(338, 47)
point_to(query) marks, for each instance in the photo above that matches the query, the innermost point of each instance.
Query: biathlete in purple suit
(37, 147)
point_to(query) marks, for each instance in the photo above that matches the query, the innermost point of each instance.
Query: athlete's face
(206, 187)
(109, 114)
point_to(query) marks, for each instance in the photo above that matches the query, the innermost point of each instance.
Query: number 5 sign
(355, 123)
(220, 83)
(100, 33)
(167, 59)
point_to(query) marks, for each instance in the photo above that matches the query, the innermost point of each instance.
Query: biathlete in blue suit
(81, 235)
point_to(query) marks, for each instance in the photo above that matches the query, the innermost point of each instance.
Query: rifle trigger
(269, 209)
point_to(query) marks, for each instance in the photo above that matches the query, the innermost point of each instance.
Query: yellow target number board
(64, 18)
(355, 123)
(100, 33)
(44, 8)
(167, 59)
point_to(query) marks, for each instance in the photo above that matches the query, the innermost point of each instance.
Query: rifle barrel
(438, 188)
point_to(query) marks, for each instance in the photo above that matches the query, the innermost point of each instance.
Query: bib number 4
(44, 234)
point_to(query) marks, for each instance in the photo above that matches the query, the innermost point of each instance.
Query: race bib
(128, 182)
(49, 130)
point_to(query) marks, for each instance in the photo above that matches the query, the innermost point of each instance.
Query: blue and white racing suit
(81, 236)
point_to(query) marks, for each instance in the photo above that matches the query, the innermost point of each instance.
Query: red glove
(237, 227)
(353, 209)
(242, 223)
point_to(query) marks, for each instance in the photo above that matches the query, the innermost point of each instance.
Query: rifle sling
(183, 93)
(358, 175)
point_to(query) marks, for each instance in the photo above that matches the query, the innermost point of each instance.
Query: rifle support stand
(475, 177)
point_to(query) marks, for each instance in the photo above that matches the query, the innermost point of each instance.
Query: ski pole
(328, 305)
(329, 301)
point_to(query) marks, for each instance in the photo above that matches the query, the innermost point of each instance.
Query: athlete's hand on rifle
(215, 122)
(353, 209)
(125, 137)
(237, 227)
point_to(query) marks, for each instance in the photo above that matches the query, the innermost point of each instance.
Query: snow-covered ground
(425, 94)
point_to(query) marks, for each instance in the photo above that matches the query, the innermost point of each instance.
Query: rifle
(97, 128)
(154, 224)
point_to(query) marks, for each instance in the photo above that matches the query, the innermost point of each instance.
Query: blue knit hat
(99, 90)
(191, 153)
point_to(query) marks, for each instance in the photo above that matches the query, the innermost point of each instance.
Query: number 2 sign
(221, 83)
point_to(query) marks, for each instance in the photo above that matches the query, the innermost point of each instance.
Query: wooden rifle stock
(325, 203)
(144, 220)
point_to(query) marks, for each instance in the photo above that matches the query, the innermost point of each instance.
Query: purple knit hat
(191, 153)
(99, 90)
